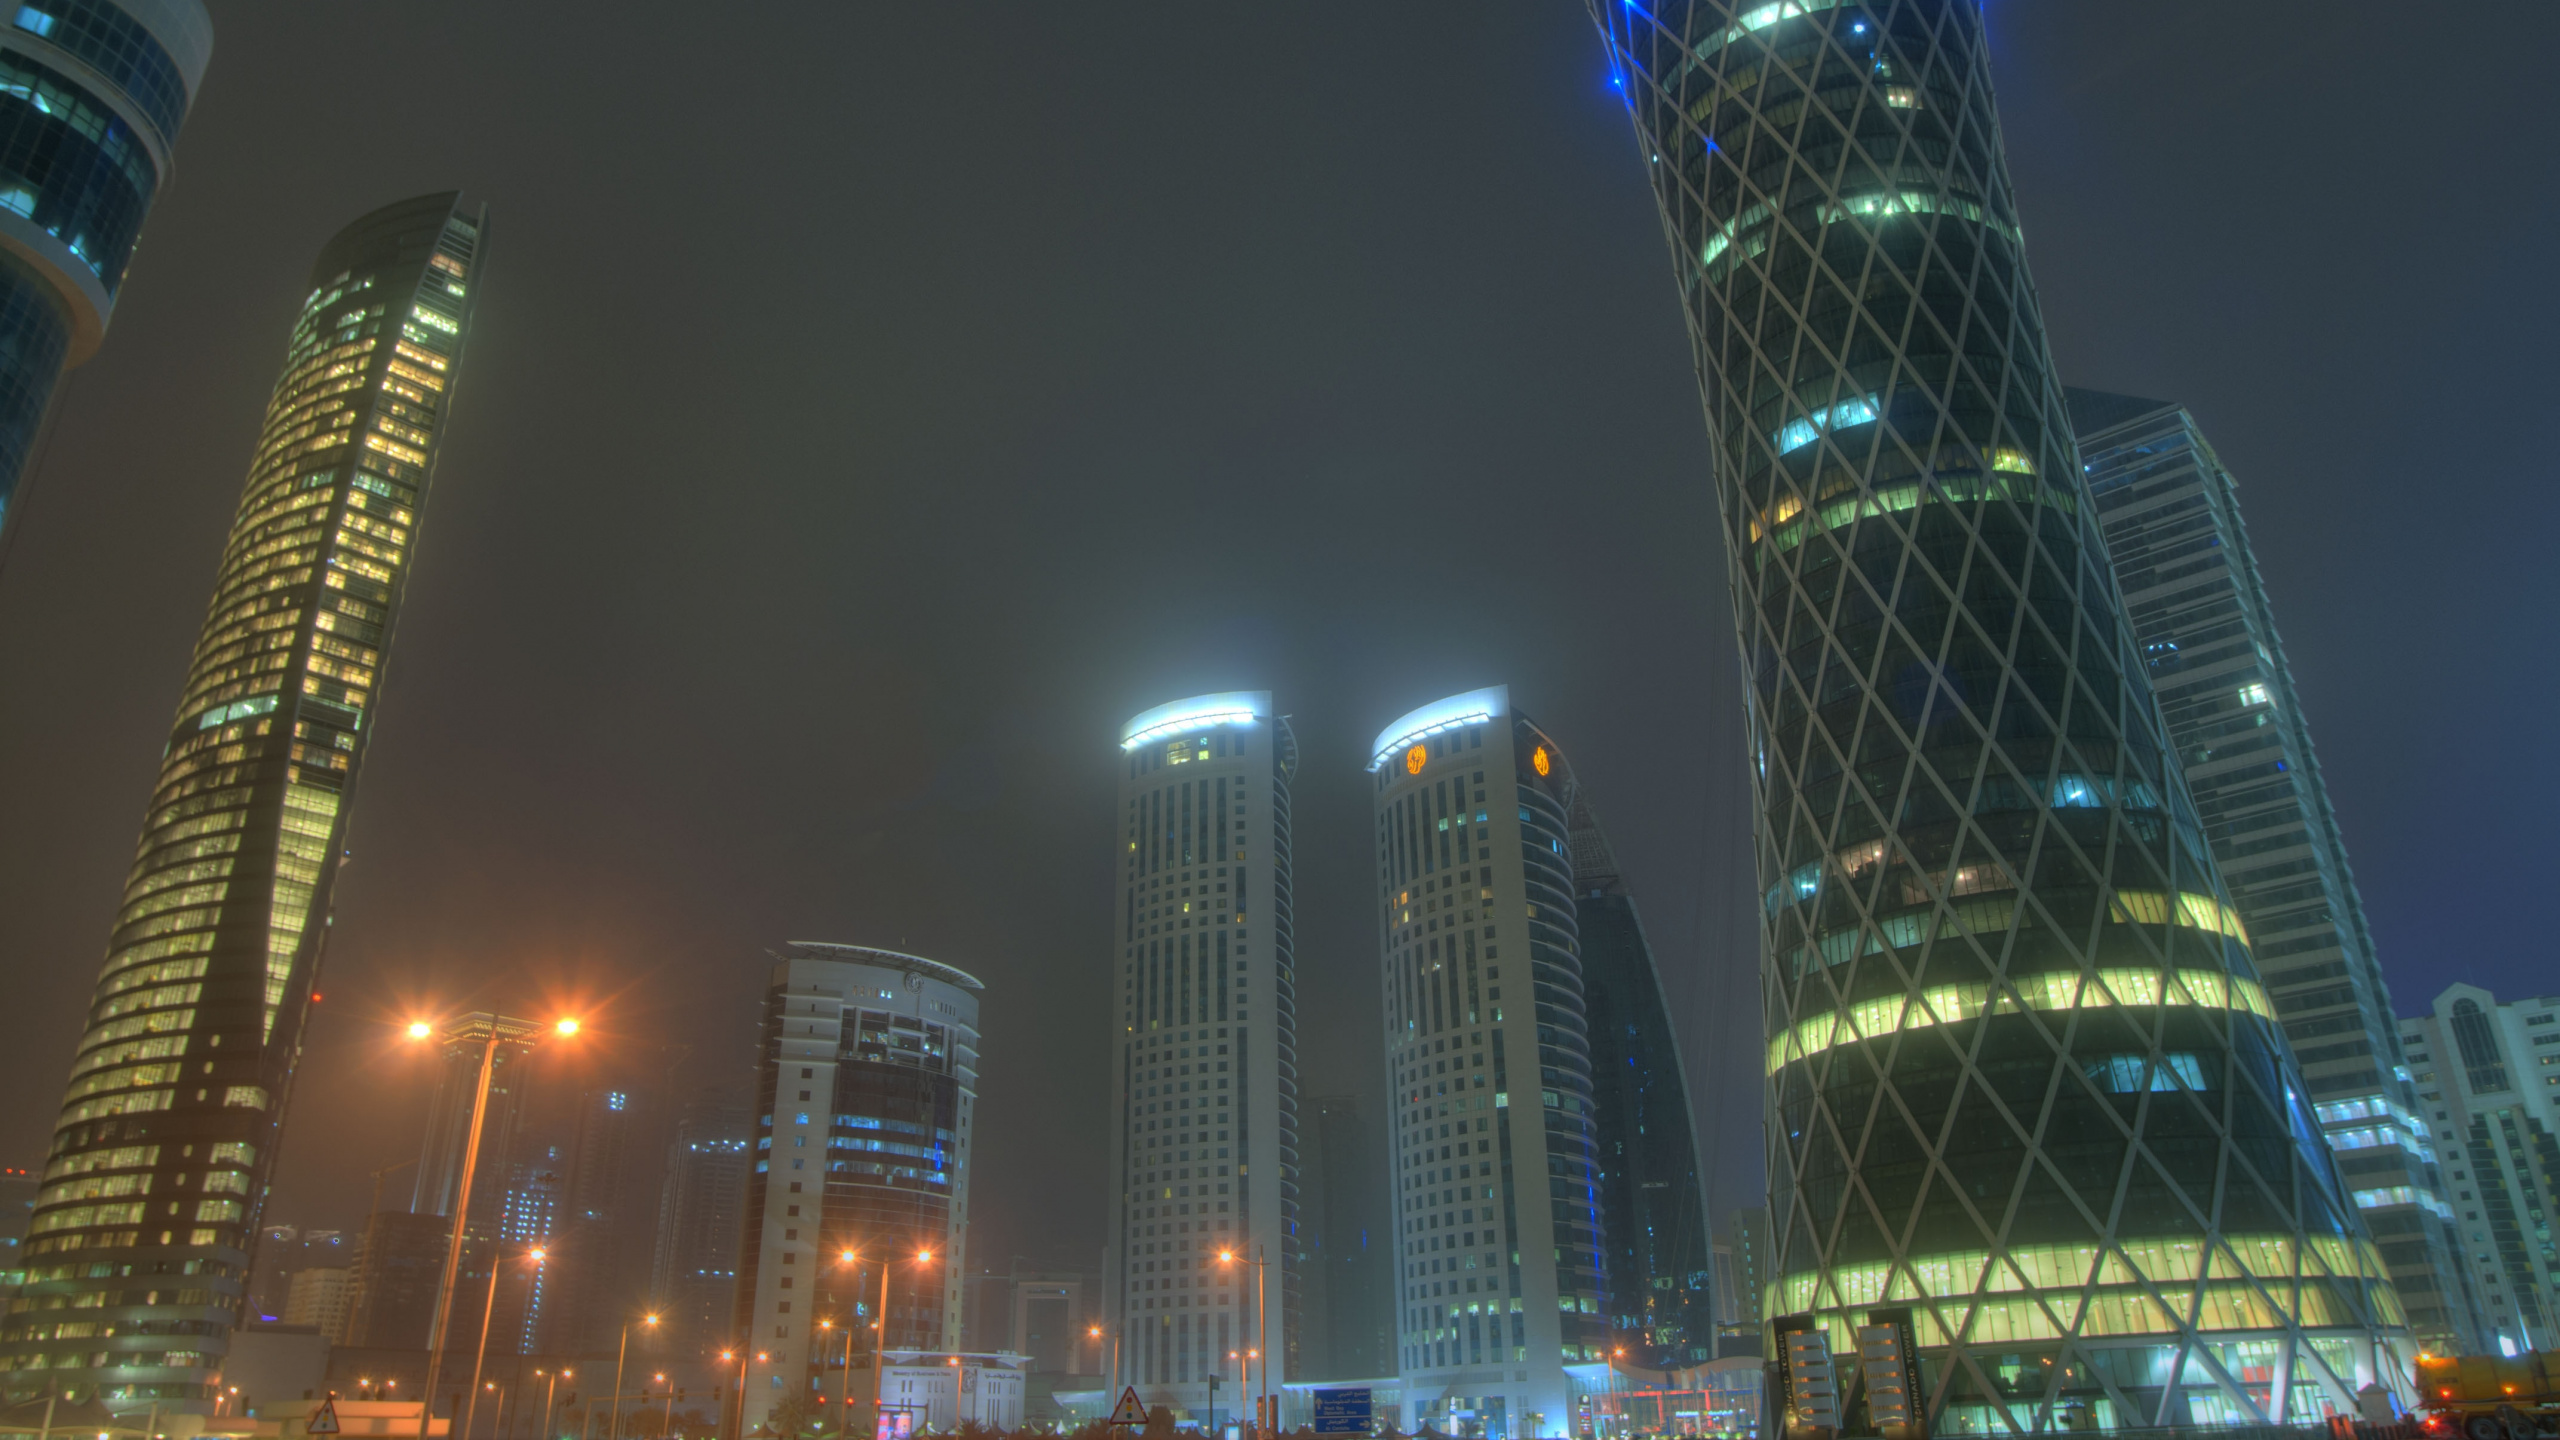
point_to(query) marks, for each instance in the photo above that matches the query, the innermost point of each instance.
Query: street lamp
(1261, 1263)
(490, 1031)
(880, 1347)
(550, 1384)
(480, 1354)
(621, 1350)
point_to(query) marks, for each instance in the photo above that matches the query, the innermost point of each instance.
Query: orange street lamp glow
(923, 1255)
(420, 1029)
(648, 1319)
(567, 1027)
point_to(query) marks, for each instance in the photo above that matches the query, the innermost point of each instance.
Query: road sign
(1342, 1412)
(323, 1421)
(1129, 1411)
(1813, 1395)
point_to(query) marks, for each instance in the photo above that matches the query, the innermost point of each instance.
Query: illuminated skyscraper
(2023, 1076)
(2208, 635)
(92, 93)
(1660, 1279)
(866, 1100)
(1204, 1060)
(1494, 1145)
(167, 1136)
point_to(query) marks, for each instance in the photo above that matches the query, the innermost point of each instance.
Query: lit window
(2255, 694)
(1797, 434)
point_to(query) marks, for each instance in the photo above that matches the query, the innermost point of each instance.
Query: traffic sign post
(1342, 1412)
(323, 1421)
(1129, 1411)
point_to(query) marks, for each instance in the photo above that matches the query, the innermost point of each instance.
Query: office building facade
(2200, 613)
(701, 1206)
(1493, 1140)
(168, 1131)
(2023, 1076)
(92, 93)
(2488, 1075)
(866, 1101)
(1660, 1269)
(1350, 1301)
(1204, 1064)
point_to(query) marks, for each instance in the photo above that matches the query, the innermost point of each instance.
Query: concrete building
(941, 1391)
(2488, 1079)
(1204, 1063)
(1493, 1138)
(2200, 611)
(701, 1206)
(866, 1098)
(319, 1299)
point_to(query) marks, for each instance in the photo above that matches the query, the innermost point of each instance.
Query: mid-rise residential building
(866, 1099)
(2024, 1080)
(166, 1139)
(1201, 1260)
(92, 93)
(2488, 1077)
(319, 1299)
(2200, 612)
(1494, 1141)
(1660, 1279)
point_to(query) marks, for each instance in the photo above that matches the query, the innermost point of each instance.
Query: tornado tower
(2023, 1079)
(141, 1239)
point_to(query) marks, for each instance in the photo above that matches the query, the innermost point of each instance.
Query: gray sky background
(872, 405)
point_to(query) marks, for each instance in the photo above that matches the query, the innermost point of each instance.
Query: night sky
(870, 406)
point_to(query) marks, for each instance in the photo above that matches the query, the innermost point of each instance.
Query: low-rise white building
(933, 1390)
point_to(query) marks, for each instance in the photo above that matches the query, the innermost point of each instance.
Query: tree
(795, 1417)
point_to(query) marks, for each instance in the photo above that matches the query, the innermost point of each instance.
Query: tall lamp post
(490, 1031)
(614, 1432)
(550, 1383)
(880, 1347)
(480, 1355)
(1261, 1332)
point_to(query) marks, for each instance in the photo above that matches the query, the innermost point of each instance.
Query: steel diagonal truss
(2023, 1076)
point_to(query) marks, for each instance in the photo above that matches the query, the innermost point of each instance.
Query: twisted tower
(140, 1244)
(2023, 1078)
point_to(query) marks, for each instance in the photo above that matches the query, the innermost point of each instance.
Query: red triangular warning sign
(1129, 1411)
(323, 1421)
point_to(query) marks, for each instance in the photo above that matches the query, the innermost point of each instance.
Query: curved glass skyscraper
(91, 96)
(2023, 1077)
(139, 1246)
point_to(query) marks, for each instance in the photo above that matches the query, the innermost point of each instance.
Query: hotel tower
(140, 1242)
(2026, 1087)
(1204, 1060)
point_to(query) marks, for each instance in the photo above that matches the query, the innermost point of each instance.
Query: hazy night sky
(870, 406)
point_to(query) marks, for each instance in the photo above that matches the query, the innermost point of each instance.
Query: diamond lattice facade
(168, 1132)
(2023, 1075)
(2200, 613)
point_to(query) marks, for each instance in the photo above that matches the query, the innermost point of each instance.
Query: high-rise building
(168, 1132)
(2023, 1077)
(1204, 1058)
(1660, 1271)
(2200, 612)
(1500, 1276)
(598, 1277)
(866, 1101)
(2488, 1074)
(319, 1299)
(694, 1272)
(494, 1226)
(92, 93)
(1747, 1241)
(391, 1299)
(531, 1224)
(1350, 1301)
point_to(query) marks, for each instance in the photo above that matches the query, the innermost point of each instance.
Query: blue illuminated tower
(92, 93)
(2024, 1080)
